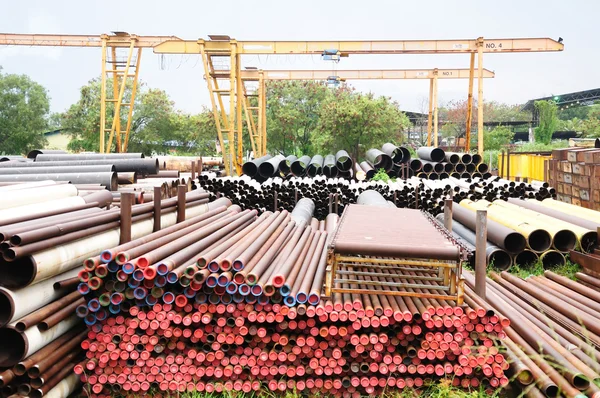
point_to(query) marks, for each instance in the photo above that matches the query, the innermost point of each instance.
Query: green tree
(156, 126)
(548, 121)
(497, 138)
(293, 115)
(24, 110)
(357, 122)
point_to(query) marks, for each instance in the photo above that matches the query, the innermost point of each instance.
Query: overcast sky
(519, 77)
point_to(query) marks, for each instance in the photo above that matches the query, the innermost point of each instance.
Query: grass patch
(568, 270)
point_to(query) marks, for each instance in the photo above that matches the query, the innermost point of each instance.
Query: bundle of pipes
(553, 342)
(549, 233)
(185, 164)
(433, 163)
(333, 194)
(41, 338)
(37, 248)
(109, 170)
(145, 188)
(229, 301)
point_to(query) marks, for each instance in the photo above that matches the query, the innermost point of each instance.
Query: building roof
(586, 97)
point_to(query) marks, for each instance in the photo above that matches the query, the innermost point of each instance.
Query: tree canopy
(24, 112)
(156, 126)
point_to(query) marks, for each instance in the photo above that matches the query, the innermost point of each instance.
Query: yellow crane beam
(224, 46)
(221, 43)
(377, 74)
(258, 138)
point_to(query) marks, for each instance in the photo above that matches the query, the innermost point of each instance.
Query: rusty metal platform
(400, 252)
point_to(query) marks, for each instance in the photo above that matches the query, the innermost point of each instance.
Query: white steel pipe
(25, 197)
(35, 339)
(15, 304)
(29, 185)
(65, 387)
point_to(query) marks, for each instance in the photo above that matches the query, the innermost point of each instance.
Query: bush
(497, 138)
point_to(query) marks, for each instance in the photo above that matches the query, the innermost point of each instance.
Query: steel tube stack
(231, 301)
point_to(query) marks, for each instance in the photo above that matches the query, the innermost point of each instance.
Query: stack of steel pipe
(41, 338)
(231, 301)
(108, 170)
(435, 164)
(414, 192)
(549, 233)
(553, 342)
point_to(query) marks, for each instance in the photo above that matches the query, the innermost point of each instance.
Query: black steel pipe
(270, 167)
(35, 152)
(251, 168)
(432, 154)
(330, 170)
(343, 161)
(142, 166)
(286, 164)
(87, 156)
(315, 166)
(452, 157)
(398, 154)
(369, 171)
(379, 160)
(300, 165)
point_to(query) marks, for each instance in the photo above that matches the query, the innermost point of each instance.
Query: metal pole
(181, 191)
(480, 96)
(275, 200)
(157, 199)
(448, 214)
(429, 119)
(501, 170)
(435, 108)
(480, 248)
(200, 166)
(470, 104)
(193, 170)
(127, 200)
(508, 164)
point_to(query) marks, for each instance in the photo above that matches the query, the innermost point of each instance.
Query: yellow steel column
(480, 96)
(103, 96)
(264, 113)
(239, 104)
(249, 122)
(435, 107)
(116, 122)
(131, 104)
(261, 93)
(216, 115)
(232, 85)
(470, 104)
(429, 119)
(116, 126)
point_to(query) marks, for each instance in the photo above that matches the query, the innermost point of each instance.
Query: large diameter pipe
(565, 234)
(343, 161)
(538, 239)
(587, 239)
(251, 168)
(315, 166)
(368, 170)
(16, 345)
(15, 304)
(38, 195)
(379, 160)
(300, 165)
(495, 256)
(106, 179)
(452, 157)
(432, 154)
(65, 387)
(270, 167)
(141, 166)
(44, 264)
(504, 237)
(578, 211)
(303, 211)
(87, 156)
(286, 164)
(107, 168)
(526, 258)
(398, 154)
(35, 152)
(329, 168)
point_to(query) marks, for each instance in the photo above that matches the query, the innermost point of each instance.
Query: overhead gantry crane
(227, 81)
(121, 54)
(231, 50)
(256, 116)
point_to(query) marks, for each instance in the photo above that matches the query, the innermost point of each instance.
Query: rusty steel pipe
(47, 310)
(61, 314)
